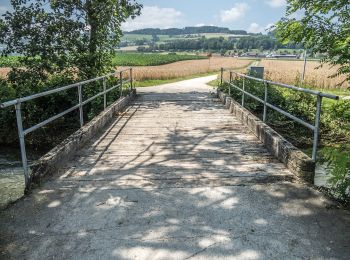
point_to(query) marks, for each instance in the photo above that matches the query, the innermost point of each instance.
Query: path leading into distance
(175, 177)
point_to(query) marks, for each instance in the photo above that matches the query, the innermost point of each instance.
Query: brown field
(289, 72)
(4, 72)
(187, 68)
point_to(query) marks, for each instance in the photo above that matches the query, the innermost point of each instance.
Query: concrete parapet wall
(295, 160)
(61, 154)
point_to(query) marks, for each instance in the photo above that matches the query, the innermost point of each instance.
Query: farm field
(289, 72)
(121, 59)
(162, 38)
(191, 67)
(137, 59)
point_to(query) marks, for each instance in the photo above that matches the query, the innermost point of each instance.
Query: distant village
(268, 55)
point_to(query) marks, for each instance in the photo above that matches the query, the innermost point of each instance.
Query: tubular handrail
(314, 127)
(17, 103)
(310, 91)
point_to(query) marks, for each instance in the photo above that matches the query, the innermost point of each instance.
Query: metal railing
(314, 127)
(18, 102)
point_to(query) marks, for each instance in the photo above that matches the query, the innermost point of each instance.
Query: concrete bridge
(175, 176)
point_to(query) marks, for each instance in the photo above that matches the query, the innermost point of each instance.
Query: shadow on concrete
(176, 193)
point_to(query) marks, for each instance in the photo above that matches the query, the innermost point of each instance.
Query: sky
(251, 15)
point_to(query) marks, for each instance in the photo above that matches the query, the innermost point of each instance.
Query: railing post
(22, 144)
(81, 115)
(265, 101)
(121, 83)
(317, 127)
(243, 96)
(221, 77)
(229, 85)
(131, 79)
(104, 94)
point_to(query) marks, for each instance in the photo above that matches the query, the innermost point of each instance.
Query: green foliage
(217, 43)
(137, 59)
(58, 43)
(324, 27)
(9, 61)
(338, 160)
(335, 126)
(187, 30)
(57, 36)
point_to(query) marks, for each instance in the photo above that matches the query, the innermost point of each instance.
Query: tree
(324, 27)
(59, 42)
(61, 36)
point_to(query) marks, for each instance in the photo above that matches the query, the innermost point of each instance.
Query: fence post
(222, 75)
(121, 83)
(104, 94)
(243, 96)
(229, 85)
(131, 79)
(22, 143)
(317, 127)
(81, 115)
(265, 101)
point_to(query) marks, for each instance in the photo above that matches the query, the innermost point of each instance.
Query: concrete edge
(57, 157)
(295, 160)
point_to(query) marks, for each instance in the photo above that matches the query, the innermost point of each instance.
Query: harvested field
(289, 72)
(186, 68)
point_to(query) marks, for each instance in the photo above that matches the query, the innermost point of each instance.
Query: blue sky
(251, 15)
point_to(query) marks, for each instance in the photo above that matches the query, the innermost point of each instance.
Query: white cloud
(276, 3)
(200, 24)
(154, 17)
(236, 12)
(256, 28)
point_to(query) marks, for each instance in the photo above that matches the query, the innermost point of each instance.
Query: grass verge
(156, 82)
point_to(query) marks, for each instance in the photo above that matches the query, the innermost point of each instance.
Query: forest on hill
(187, 30)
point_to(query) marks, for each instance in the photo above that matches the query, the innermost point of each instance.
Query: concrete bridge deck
(175, 177)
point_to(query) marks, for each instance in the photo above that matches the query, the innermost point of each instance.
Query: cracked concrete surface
(176, 177)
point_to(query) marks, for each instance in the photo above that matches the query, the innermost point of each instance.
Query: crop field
(136, 59)
(121, 59)
(186, 68)
(289, 72)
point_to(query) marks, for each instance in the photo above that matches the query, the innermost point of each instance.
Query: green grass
(137, 59)
(156, 82)
(214, 83)
(8, 61)
(134, 37)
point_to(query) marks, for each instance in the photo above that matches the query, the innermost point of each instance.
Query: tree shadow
(161, 184)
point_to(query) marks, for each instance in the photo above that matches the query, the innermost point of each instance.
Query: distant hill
(187, 30)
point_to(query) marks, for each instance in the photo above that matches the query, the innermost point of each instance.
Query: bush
(40, 109)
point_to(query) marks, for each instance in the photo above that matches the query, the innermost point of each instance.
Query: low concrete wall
(294, 159)
(61, 154)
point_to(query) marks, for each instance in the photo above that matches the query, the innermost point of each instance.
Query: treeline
(261, 42)
(187, 30)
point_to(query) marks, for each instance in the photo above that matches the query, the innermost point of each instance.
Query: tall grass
(289, 72)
